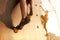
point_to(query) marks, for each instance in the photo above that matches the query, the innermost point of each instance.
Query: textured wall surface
(31, 31)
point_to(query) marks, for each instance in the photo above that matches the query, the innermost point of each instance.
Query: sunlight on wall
(52, 24)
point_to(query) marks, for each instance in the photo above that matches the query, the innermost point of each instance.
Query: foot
(23, 22)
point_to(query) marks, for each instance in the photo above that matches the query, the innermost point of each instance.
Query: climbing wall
(31, 31)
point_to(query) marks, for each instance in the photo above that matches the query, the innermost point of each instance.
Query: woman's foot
(23, 22)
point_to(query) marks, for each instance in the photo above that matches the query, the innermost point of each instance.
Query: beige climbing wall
(31, 31)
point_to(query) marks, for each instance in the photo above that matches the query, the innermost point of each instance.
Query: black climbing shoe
(23, 22)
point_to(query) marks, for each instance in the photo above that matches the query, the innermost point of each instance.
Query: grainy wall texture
(31, 31)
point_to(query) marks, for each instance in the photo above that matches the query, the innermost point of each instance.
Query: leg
(6, 16)
(23, 7)
(25, 17)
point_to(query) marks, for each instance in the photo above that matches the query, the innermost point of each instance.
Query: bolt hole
(35, 4)
(36, 14)
(37, 26)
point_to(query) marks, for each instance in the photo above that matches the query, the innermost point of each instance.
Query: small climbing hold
(15, 30)
(36, 14)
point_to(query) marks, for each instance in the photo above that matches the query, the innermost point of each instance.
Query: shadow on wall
(6, 15)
